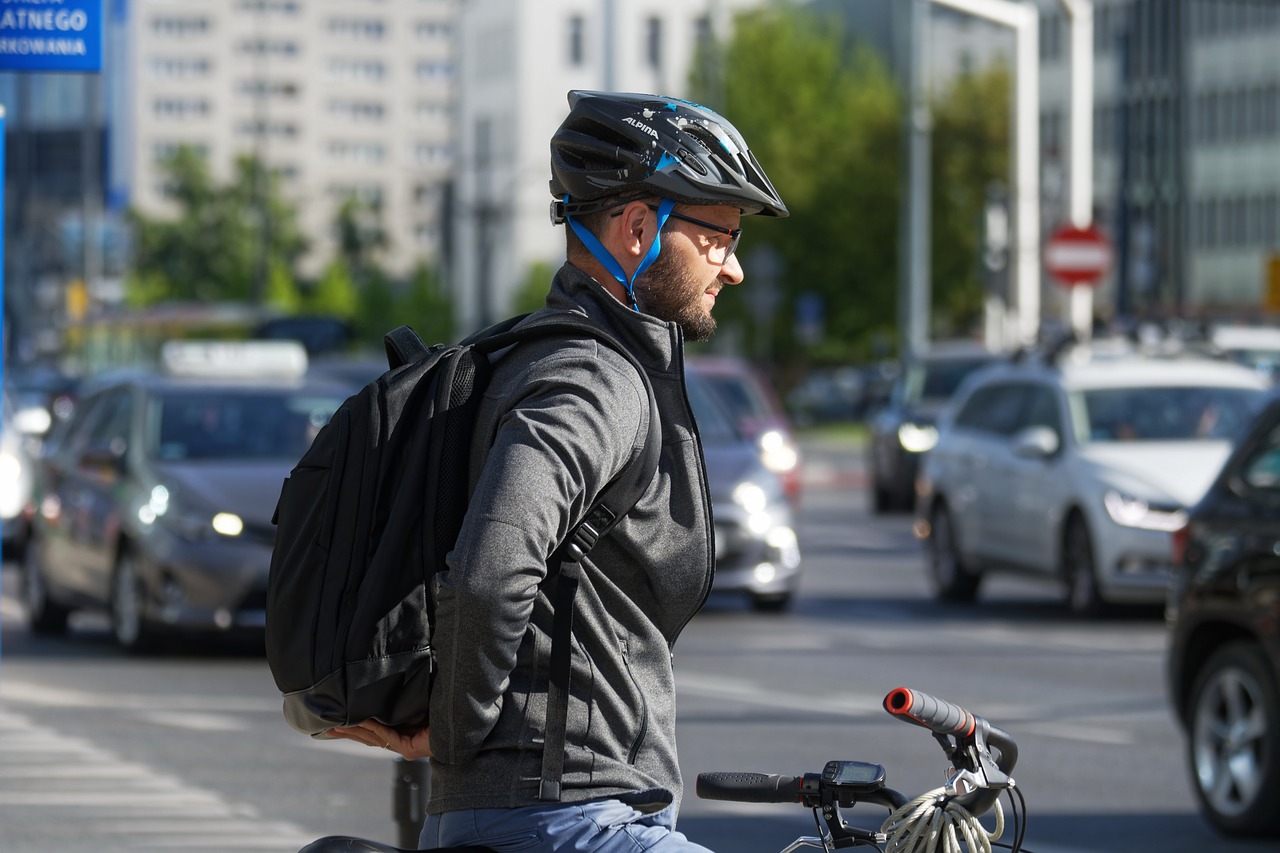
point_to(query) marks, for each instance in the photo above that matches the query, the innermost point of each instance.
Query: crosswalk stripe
(48, 776)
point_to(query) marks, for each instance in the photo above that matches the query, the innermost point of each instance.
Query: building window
(430, 30)
(434, 70)
(179, 108)
(363, 70)
(577, 41)
(357, 152)
(357, 111)
(430, 111)
(179, 68)
(357, 29)
(368, 194)
(431, 154)
(268, 47)
(653, 42)
(180, 27)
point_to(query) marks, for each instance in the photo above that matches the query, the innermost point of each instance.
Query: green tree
(335, 293)
(360, 237)
(824, 123)
(427, 305)
(970, 151)
(532, 293)
(824, 117)
(223, 242)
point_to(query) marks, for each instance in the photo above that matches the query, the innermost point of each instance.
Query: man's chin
(699, 329)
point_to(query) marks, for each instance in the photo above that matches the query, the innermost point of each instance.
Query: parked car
(1078, 471)
(757, 552)
(754, 407)
(15, 482)
(1224, 649)
(154, 501)
(41, 397)
(904, 428)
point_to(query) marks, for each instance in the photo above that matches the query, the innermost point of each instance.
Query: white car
(1078, 472)
(15, 482)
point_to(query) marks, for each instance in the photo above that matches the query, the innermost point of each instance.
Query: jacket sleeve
(576, 422)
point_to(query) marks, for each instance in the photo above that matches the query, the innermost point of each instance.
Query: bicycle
(939, 821)
(982, 755)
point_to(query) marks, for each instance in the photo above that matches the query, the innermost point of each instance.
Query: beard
(669, 291)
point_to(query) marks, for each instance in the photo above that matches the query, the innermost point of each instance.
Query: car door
(84, 516)
(1002, 417)
(1036, 485)
(976, 444)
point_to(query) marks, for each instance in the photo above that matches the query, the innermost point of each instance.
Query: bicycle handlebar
(749, 787)
(937, 715)
(982, 756)
(945, 718)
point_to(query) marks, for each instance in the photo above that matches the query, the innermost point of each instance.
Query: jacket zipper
(644, 707)
(702, 485)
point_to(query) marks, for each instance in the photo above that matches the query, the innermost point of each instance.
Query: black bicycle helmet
(619, 144)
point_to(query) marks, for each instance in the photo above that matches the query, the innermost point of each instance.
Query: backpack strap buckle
(585, 536)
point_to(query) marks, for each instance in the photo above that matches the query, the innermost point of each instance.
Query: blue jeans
(598, 826)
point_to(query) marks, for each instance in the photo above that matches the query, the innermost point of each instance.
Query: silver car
(757, 551)
(1077, 472)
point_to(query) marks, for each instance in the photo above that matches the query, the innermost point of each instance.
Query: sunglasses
(734, 234)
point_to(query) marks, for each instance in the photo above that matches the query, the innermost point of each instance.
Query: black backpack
(367, 516)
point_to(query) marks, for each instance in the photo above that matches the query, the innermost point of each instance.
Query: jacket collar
(658, 344)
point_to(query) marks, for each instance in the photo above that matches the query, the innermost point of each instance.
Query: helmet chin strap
(601, 254)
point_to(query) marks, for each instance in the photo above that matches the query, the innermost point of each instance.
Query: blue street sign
(51, 35)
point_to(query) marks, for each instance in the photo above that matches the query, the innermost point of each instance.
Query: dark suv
(1224, 653)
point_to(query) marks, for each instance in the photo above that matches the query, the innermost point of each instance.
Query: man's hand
(413, 745)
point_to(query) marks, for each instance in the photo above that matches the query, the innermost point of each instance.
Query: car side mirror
(1037, 442)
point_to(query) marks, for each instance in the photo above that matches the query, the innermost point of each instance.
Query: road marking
(48, 776)
(31, 693)
(1115, 732)
(196, 722)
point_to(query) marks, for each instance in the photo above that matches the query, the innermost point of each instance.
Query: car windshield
(737, 395)
(1164, 413)
(207, 424)
(714, 425)
(938, 379)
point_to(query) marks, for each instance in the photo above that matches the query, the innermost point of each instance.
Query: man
(653, 190)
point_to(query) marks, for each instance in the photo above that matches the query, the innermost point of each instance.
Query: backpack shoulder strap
(403, 346)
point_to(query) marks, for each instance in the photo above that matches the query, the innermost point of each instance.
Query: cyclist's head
(615, 148)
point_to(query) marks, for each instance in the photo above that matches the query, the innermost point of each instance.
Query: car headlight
(751, 497)
(189, 525)
(917, 438)
(777, 453)
(10, 474)
(1134, 512)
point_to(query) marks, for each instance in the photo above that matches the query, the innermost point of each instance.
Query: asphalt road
(106, 753)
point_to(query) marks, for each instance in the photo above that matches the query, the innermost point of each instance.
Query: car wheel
(1234, 741)
(952, 580)
(1083, 596)
(771, 603)
(128, 598)
(881, 500)
(46, 616)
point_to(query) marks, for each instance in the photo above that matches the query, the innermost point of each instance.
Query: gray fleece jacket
(559, 420)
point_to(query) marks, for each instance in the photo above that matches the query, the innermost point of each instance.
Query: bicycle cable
(934, 822)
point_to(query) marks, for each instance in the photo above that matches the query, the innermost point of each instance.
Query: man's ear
(634, 228)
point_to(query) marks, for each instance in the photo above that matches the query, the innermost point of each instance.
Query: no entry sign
(1077, 256)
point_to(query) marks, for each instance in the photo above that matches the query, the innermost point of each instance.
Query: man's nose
(731, 271)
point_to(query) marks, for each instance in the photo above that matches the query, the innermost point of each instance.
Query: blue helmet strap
(602, 254)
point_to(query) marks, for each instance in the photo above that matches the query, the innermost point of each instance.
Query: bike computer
(860, 776)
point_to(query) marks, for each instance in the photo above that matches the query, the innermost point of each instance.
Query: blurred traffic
(154, 500)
